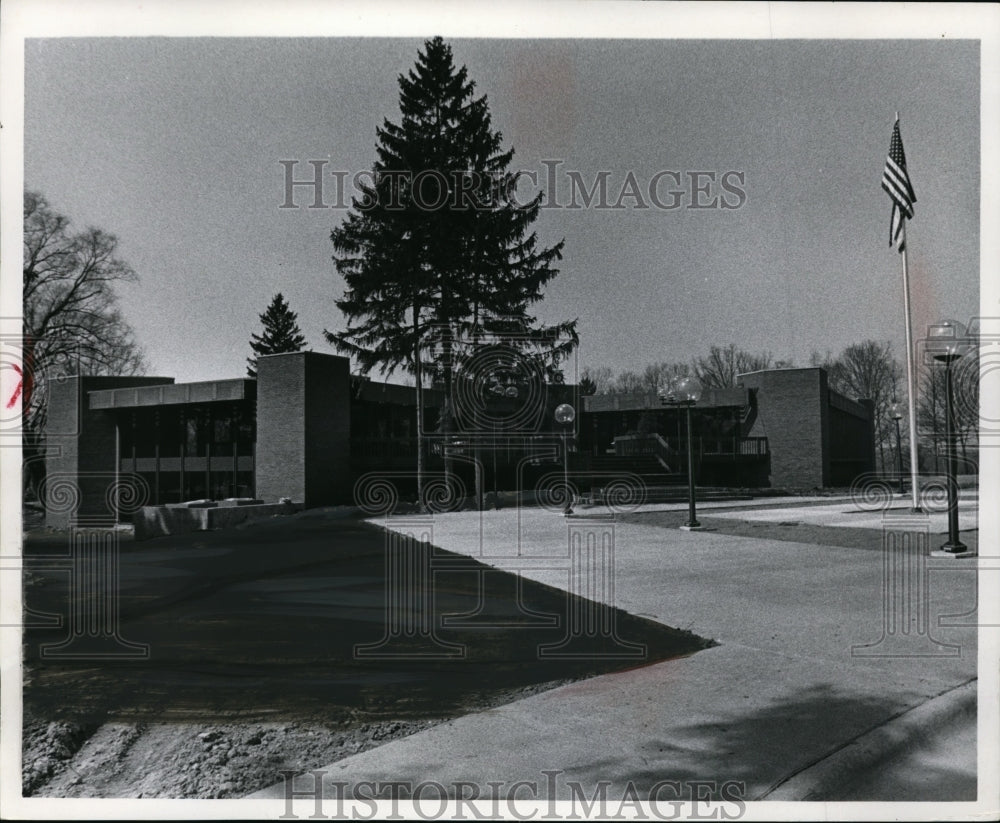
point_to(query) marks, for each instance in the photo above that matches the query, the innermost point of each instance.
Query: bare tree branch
(722, 365)
(72, 321)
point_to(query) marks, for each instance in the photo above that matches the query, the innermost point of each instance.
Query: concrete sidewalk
(781, 692)
(848, 513)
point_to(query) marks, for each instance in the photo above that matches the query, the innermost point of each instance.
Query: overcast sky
(174, 145)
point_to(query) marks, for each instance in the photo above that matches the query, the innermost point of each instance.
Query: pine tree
(433, 252)
(281, 333)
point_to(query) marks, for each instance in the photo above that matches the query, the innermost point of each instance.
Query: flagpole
(911, 389)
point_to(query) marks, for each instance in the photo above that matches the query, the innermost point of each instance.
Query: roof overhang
(174, 394)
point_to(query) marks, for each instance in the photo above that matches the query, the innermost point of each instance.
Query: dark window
(144, 433)
(196, 431)
(126, 434)
(222, 485)
(194, 486)
(150, 478)
(222, 428)
(244, 484)
(246, 433)
(170, 487)
(170, 431)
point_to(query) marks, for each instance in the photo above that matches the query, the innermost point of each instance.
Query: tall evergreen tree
(435, 251)
(281, 333)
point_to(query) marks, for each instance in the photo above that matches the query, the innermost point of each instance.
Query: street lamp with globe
(565, 415)
(686, 392)
(896, 410)
(947, 342)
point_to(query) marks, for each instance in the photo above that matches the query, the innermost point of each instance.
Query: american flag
(896, 182)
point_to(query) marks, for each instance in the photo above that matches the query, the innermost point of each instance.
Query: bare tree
(868, 370)
(722, 365)
(931, 411)
(628, 382)
(931, 407)
(965, 376)
(657, 377)
(601, 377)
(650, 377)
(72, 321)
(823, 361)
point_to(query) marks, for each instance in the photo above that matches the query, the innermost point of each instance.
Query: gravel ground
(197, 760)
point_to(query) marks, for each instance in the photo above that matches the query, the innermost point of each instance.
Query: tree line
(718, 369)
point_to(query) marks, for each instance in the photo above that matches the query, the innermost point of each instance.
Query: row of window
(194, 430)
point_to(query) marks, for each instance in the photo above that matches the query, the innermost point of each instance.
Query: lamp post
(686, 392)
(947, 342)
(896, 411)
(565, 415)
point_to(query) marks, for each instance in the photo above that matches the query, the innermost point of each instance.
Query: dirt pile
(186, 759)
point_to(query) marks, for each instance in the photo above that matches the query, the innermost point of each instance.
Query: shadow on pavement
(262, 623)
(763, 748)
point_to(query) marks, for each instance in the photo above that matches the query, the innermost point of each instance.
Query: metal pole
(692, 520)
(118, 464)
(569, 507)
(911, 389)
(953, 545)
(899, 458)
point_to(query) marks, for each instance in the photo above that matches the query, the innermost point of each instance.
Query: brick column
(303, 428)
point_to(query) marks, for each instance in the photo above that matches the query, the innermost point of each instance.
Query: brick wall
(303, 428)
(851, 446)
(791, 414)
(279, 458)
(81, 445)
(817, 438)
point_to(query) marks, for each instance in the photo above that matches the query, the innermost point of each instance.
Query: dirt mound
(185, 759)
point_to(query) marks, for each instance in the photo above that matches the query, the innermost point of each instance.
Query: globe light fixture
(565, 414)
(896, 412)
(947, 342)
(686, 391)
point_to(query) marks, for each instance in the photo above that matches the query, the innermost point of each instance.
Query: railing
(503, 447)
(666, 450)
(634, 445)
(645, 445)
(732, 446)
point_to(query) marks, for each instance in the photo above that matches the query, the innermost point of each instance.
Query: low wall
(157, 521)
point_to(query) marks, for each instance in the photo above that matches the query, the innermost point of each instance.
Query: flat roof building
(306, 429)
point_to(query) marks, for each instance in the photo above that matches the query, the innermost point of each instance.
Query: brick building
(816, 436)
(782, 427)
(306, 429)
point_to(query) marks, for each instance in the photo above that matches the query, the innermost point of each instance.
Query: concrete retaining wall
(157, 521)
